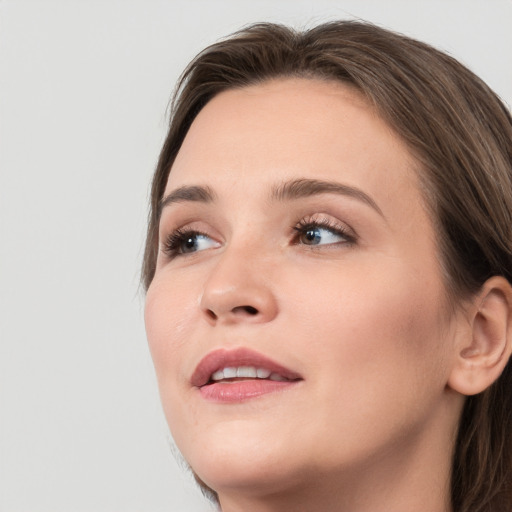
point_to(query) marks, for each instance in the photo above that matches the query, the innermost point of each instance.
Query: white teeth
(229, 373)
(219, 375)
(248, 372)
(263, 373)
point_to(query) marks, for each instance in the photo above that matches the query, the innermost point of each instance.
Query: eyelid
(173, 236)
(172, 244)
(326, 221)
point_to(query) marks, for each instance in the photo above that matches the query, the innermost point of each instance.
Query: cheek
(378, 329)
(169, 315)
(377, 357)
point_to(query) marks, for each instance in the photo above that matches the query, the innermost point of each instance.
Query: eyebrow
(290, 190)
(300, 188)
(194, 193)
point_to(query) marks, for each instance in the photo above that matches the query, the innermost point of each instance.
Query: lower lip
(239, 391)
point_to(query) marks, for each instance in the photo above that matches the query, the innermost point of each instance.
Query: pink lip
(239, 390)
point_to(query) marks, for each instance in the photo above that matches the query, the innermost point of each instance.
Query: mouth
(237, 375)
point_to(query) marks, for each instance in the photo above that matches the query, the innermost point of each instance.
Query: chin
(245, 462)
(250, 476)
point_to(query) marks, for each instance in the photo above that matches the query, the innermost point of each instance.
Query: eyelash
(173, 242)
(172, 246)
(308, 223)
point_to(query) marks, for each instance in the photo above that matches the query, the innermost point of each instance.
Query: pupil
(312, 235)
(189, 243)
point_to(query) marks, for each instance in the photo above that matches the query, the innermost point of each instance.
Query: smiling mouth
(240, 374)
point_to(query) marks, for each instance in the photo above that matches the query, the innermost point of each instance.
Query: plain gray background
(84, 87)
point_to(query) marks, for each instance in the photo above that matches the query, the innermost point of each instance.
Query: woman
(327, 269)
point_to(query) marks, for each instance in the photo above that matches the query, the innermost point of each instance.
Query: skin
(363, 319)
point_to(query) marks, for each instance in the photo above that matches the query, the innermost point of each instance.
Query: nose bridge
(239, 287)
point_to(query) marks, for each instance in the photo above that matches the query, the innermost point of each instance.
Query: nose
(238, 290)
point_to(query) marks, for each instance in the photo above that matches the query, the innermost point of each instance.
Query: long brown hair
(461, 135)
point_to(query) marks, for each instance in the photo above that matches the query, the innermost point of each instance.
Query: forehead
(293, 128)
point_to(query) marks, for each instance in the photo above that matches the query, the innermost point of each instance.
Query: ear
(483, 350)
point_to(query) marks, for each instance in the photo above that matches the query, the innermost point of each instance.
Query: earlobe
(484, 349)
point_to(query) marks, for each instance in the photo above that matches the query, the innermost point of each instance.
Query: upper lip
(222, 358)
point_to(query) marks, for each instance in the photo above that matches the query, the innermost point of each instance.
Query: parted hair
(460, 134)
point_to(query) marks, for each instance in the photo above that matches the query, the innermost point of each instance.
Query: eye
(187, 241)
(322, 232)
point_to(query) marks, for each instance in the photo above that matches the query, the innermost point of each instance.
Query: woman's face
(295, 245)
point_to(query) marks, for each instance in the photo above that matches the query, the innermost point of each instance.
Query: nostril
(246, 309)
(211, 314)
